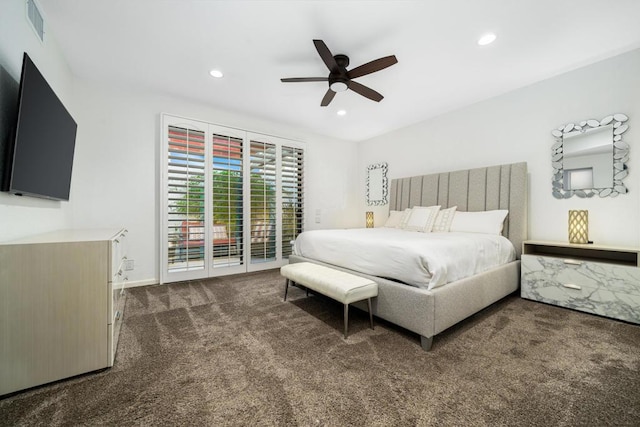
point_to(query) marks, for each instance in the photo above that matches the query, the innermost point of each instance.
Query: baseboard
(138, 283)
(147, 282)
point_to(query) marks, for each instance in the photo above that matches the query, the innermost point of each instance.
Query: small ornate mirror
(377, 184)
(590, 158)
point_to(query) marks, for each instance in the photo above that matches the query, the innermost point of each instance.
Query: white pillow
(422, 218)
(395, 217)
(488, 222)
(405, 217)
(444, 219)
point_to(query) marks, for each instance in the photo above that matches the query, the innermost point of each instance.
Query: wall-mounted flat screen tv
(45, 139)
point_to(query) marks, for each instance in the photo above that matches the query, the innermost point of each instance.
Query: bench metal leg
(370, 313)
(286, 288)
(346, 320)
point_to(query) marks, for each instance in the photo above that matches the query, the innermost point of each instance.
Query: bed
(428, 312)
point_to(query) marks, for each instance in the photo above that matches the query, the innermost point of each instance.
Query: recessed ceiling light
(216, 73)
(486, 39)
(341, 112)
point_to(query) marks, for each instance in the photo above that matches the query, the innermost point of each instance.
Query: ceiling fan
(340, 79)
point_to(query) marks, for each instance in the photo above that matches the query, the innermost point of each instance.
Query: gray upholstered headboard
(480, 189)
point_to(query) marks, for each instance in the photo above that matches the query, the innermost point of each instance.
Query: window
(227, 201)
(292, 196)
(185, 203)
(263, 202)
(232, 201)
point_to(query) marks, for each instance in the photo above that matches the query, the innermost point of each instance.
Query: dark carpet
(229, 351)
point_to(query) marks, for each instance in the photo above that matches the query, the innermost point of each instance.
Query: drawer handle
(116, 240)
(571, 286)
(572, 262)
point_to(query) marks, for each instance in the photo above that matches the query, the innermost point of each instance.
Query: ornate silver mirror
(590, 158)
(377, 184)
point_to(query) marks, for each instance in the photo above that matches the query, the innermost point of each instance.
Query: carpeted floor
(229, 351)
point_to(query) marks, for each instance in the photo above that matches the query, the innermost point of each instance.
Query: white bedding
(425, 260)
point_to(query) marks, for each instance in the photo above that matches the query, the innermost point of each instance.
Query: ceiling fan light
(487, 39)
(338, 86)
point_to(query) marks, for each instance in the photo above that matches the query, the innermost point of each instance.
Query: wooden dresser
(61, 305)
(603, 280)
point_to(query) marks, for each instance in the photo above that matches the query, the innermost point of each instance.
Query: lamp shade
(579, 227)
(369, 219)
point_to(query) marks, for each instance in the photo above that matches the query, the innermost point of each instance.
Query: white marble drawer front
(602, 288)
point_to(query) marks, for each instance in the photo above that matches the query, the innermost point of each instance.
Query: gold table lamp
(369, 218)
(579, 226)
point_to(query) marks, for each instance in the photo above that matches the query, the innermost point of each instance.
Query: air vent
(35, 17)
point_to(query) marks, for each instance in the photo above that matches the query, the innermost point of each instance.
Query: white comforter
(425, 260)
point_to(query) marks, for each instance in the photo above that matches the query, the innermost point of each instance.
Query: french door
(232, 201)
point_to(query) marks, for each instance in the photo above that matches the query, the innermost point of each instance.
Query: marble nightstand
(603, 280)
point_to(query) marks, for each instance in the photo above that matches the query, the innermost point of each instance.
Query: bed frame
(429, 312)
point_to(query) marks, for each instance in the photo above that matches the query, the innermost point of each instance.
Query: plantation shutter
(227, 201)
(185, 199)
(263, 188)
(292, 196)
(231, 200)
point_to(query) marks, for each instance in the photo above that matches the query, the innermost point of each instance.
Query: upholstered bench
(338, 285)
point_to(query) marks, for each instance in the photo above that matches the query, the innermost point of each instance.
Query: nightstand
(603, 280)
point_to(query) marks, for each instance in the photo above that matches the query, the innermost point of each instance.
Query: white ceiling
(170, 45)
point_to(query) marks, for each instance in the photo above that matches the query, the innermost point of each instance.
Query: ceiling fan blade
(365, 91)
(372, 67)
(326, 55)
(328, 97)
(304, 79)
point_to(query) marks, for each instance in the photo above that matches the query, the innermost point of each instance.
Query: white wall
(22, 216)
(517, 127)
(115, 177)
(116, 173)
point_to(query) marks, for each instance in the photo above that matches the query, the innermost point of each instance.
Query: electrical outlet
(128, 265)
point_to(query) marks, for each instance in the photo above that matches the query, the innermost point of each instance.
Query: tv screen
(44, 142)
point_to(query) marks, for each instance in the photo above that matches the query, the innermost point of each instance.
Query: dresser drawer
(119, 275)
(117, 283)
(118, 252)
(600, 288)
